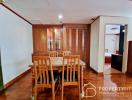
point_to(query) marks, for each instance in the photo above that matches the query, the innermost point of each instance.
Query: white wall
(15, 44)
(112, 43)
(94, 44)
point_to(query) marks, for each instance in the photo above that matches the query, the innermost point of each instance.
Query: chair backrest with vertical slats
(53, 53)
(66, 53)
(43, 70)
(71, 68)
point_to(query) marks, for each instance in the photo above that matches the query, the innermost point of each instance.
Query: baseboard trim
(100, 74)
(16, 79)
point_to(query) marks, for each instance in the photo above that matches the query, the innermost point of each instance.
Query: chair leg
(79, 92)
(62, 92)
(35, 93)
(53, 92)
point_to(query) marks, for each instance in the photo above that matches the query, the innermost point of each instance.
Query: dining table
(57, 63)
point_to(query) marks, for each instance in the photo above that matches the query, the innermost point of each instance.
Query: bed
(108, 57)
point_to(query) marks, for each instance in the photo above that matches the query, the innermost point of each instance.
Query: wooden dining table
(57, 63)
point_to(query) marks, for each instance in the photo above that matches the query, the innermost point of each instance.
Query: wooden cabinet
(116, 61)
(129, 63)
(44, 38)
(73, 37)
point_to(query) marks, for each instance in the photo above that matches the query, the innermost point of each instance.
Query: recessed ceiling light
(60, 16)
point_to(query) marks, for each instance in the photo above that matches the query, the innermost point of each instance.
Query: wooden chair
(66, 53)
(53, 54)
(71, 72)
(44, 76)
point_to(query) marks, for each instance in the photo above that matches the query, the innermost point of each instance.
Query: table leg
(81, 83)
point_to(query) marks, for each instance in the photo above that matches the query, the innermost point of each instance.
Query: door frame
(124, 58)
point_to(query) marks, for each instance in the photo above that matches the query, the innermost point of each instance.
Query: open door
(1, 77)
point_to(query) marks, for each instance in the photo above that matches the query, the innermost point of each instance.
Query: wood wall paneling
(87, 45)
(70, 39)
(76, 40)
(67, 39)
(64, 39)
(83, 39)
(39, 39)
(79, 26)
(80, 42)
(73, 41)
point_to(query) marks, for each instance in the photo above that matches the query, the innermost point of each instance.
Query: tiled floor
(21, 90)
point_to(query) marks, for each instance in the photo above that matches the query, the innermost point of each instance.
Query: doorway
(114, 47)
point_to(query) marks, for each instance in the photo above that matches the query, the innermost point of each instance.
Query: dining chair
(66, 53)
(44, 75)
(53, 54)
(71, 72)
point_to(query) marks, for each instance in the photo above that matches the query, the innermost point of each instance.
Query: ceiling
(74, 11)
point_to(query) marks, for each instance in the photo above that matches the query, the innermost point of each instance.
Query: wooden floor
(21, 90)
(109, 70)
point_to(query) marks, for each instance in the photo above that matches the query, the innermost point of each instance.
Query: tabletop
(58, 61)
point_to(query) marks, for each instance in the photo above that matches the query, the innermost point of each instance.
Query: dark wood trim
(78, 26)
(48, 25)
(16, 79)
(15, 13)
(100, 74)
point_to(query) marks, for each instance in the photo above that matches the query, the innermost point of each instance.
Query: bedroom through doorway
(114, 45)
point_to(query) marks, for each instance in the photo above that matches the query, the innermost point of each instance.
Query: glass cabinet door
(50, 39)
(58, 39)
(54, 38)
